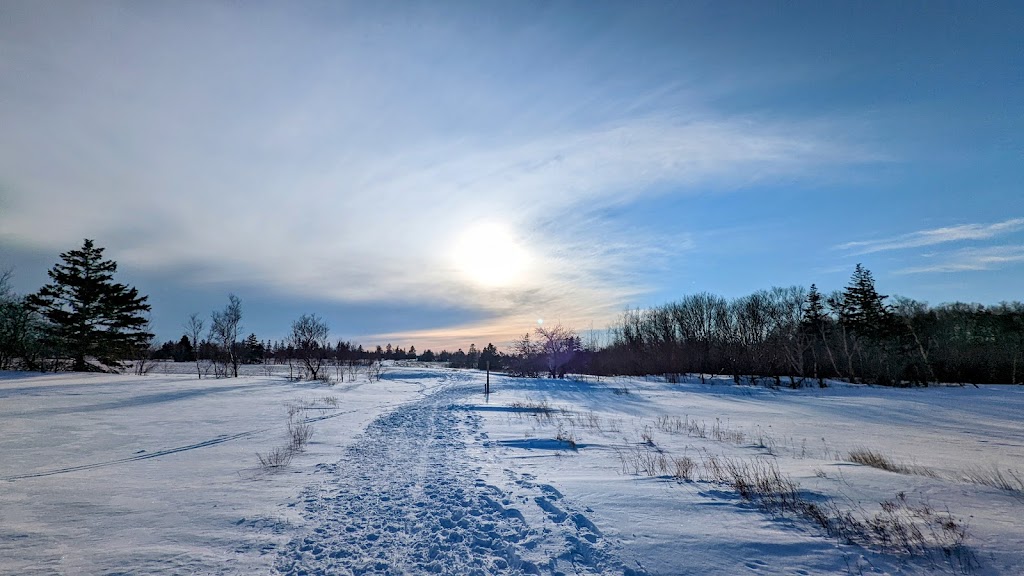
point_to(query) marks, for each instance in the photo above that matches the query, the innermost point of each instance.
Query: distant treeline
(793, 335)
(84, 320)
(252, 350)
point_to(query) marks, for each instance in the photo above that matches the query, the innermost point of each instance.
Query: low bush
(299, 433)
(684, 468)
(276, 458)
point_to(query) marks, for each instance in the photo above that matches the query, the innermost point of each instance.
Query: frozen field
(420, 473)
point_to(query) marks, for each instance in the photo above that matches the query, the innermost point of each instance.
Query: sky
(444, 173)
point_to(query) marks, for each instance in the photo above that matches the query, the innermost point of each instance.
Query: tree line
(798, 335)
(252, 350)
(84, 320)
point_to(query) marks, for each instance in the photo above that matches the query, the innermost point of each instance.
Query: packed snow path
(406, 499)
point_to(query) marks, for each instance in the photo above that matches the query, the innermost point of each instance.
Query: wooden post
(487, 384)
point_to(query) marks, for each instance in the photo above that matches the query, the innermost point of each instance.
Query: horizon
(423, 173)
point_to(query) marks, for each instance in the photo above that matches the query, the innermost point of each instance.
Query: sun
(490, 255)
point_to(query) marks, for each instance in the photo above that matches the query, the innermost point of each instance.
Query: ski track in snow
(405, 499)
(159, 453)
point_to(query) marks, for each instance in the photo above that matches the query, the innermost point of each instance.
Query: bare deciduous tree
(194, 329)
(20, 328)
(309, 338)
(558, 346)
(224, 329)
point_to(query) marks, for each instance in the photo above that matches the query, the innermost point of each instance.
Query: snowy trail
(407, 499)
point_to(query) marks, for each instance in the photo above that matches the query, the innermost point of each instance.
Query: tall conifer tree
(866, 315)
(90, 314)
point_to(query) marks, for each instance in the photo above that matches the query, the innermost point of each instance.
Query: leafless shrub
(670, 425)
(722, 433)
(143, 365)
(642, 460)
(299, 433)
(375, 371)
(695, 429)
(764, 442)
(588, 420)
(566, 436)
(684, 468)
(276, 458)
(647, 436)
(914, 530)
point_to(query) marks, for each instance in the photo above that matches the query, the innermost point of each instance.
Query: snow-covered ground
(420, 473)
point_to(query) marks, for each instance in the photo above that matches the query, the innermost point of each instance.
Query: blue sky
(441, 173)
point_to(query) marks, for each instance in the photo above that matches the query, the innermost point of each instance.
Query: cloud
(973, 259)
(383, 227)
(935, 236)
(343, 162)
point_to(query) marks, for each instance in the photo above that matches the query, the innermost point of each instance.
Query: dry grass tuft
(277, 458)
(878, 460)
(1008, 480)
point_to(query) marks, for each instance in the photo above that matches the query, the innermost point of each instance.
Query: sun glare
(490, 255)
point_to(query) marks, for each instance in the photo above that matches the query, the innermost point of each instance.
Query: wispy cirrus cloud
(934, 236)
(973, 259)
(345, 162)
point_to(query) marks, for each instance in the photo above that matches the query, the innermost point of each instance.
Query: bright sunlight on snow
(414, 471)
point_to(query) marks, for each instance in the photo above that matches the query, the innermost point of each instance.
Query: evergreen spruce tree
(488, 357)
(183, 351)
(813, 324)
(814, 310)
(90, 314)
(873, 335)
(865, 314)
(253, 350)
(472, 357)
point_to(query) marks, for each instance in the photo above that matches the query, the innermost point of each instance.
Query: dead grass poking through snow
(1008, 480)
(900, 528)
(878, 460)
(642, 460)
(299, 434)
